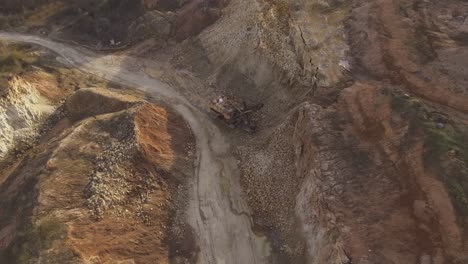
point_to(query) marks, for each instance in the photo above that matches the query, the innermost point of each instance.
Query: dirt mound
(94, 101)
(107, 187)
(132, 182)
(151, 125)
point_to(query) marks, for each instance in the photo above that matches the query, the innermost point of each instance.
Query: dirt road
(217, 211)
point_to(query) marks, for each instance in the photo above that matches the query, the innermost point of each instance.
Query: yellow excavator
(234, 114)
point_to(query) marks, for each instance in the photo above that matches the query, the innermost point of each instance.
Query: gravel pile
(270, 180)
(109, 183)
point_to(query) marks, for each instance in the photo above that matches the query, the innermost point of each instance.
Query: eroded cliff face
(423, 213)
(22, 110)
(317, 163)
(374, 168)
(356, 177)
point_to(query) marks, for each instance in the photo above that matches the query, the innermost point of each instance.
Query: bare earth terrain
(109, 154)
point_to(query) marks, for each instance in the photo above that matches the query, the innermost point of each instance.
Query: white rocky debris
(22, 109)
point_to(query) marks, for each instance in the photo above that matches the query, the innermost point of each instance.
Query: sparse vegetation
(34, 239)
(13, 59)
(439, 143)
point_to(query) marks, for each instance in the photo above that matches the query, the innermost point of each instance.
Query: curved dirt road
(216, 210)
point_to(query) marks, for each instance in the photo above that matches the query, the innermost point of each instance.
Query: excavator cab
(235, 115)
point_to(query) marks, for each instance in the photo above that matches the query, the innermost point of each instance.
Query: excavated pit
(361, 154)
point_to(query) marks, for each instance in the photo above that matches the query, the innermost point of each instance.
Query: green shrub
(438, 143)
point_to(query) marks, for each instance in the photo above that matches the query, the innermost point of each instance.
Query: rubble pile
(270, 180)
(119, 184)
(108, 184)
